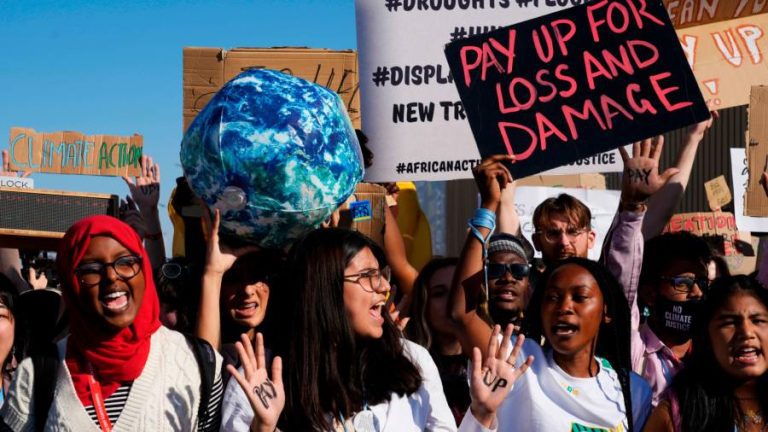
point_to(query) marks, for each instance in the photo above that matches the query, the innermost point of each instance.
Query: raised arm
(662, 204)
(394, 249)
(467, 288)
(145, 191)
(623, 247)
(507, 219)
(218, 260)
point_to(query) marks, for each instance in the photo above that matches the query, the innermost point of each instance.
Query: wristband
(483, 218)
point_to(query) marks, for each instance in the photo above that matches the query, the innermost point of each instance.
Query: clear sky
(115, 67)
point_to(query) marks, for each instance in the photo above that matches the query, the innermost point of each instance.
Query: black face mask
(677, 317)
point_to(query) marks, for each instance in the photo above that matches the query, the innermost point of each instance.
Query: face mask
(677, 317)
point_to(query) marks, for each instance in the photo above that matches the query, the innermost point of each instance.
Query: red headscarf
(116, 357)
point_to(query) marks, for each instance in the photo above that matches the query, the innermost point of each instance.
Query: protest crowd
(296, 319)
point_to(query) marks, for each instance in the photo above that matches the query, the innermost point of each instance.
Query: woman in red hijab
(119, 369)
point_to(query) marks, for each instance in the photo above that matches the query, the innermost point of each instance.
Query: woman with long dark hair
(348, 368)
(724, 384)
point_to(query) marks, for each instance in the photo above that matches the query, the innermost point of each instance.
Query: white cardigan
(165, 397)
(426, 409)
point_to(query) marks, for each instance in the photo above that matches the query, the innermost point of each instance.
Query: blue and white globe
(276, 154)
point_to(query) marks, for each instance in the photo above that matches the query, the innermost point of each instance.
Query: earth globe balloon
(276, 154)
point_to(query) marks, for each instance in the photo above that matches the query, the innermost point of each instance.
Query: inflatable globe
(275, 154)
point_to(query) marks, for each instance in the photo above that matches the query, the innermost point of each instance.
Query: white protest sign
(609, 161)
(602, 203)
(16, 183)
(740, 177)
(411, 111)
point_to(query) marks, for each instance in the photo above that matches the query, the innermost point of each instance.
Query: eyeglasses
(125, 268)
(498, 270)
(684, 284)
(553, 235)
(373, 278)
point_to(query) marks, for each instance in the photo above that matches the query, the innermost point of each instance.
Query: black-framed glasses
(517, 270)
(552, 235)
(125, 267)
(684, 284)
(372, 278)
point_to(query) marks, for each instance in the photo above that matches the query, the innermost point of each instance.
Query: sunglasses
(684, 284)
(498, 270)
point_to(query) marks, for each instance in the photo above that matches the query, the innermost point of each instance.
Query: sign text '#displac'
(574, 83)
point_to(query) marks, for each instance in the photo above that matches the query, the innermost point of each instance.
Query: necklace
(753, 417)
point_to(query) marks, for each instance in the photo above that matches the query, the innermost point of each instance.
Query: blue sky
(109, 67)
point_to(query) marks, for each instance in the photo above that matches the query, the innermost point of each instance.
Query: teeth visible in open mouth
(115, 301)
(564, 329)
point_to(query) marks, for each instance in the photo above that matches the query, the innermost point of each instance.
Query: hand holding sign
(267, 397)
(6, 171)
(641, 172)
(491, 383)
(491, 176)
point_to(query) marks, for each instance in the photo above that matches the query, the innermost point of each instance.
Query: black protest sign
(575, 83)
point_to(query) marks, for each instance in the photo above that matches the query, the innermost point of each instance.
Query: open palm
(491, 383)
(267, 397)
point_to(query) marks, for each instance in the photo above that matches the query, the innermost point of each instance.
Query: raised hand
(698, 129)
(641, 172)
(219, 258)
(491, 176)
(145, 189)
(267, 397)
(37, 282)
(492, 382)
(5, 169)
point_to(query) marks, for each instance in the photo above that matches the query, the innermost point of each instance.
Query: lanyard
(98, 402)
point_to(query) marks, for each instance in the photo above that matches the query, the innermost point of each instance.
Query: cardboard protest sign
(757, 152)
(16, 183)
(718, 194)
(602, 204)
(575, 83)
(365, 211)
(721, 231)
(75, 153)
(412, 113)
(728, 58)
(740, 175)
(688, 13)
(206, 70)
